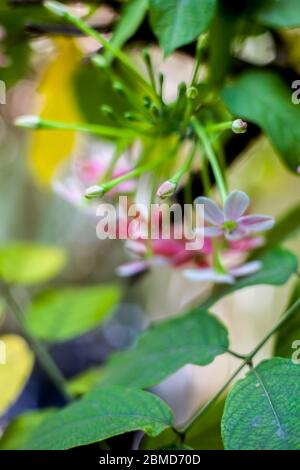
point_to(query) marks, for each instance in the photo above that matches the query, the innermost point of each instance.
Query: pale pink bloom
(246, 244)
(160, 251)
(231, 221)
(72, 181)
(166, 189)
(211, 275)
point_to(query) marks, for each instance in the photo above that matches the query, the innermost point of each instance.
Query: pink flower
(211, 275)
(172, 252)
(231, 222)
(71, 182)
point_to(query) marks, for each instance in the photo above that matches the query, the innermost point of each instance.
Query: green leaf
(59, 315)
(264, 99)
(84, 382)
(21, 429)
(277, 267)
(179, 22)
(286, 227)
(194, 338)
(102, 414)
(205, 432)
(262, 411)
(278, 13)
(26, 263)
(131, 18)
(287, 340)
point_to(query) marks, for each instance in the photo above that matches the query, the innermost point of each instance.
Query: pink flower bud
(166, 189)
(239, 126)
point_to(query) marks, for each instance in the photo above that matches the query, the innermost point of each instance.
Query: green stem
(40, 351)
(185, 167)
(222, 126)
(73, 126)
(200, 131)
(62, 11)
(247, 360)
(201, 43)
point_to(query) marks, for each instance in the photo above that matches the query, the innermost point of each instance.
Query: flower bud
(192, 93)
(31, 122)
(239, 126)
(56, 8)
(94, 191)
(166, 189)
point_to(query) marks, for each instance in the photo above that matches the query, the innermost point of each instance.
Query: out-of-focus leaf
(262, 98)
(205, 432)
(277, 267)
(179, 22)
(278, 13)
(166, 439)
(60, 315)
(21, 429)
(16, 362)
(130, 19)
(262, 411)
(194, 338)
(85, 381)
(100, 92)
(99, 415)
(290, 331)
(16, 42)
(26, 263)
(285, 227)
(48, 149)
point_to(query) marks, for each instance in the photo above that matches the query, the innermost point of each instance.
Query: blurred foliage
(60, 315)
(16, 369)
(72, 87)
(26, 263)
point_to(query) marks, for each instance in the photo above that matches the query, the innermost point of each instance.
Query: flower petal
(246, 269)
(235, 205)
(208, 275)
(246, 244)
(132, 268)
(256, 223)
(211, 232)
(212, 212)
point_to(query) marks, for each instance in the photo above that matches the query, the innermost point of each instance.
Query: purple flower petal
(208, 275)
(256, 223)
(132, 268)
(211, 232)
(246, 269)
(212, 212)
(235, 205)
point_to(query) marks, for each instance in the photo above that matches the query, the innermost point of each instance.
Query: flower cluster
(229, 237)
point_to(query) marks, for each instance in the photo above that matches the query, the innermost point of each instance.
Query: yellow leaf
(16, 362)
(49, 148)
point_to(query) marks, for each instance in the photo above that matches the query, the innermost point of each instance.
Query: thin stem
(40, 351)
(185, 167)
(200, 131)
(149, 66)
(247, 360)
(205, 175)
(199, 57)
(62, 11)
(73, 126)
(221, 126)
